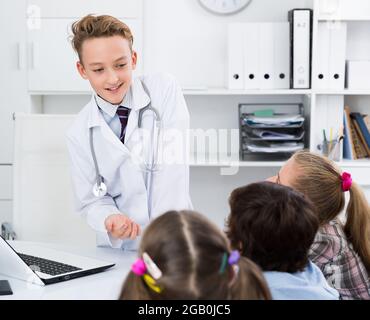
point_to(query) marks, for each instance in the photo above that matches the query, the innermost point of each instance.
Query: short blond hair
(91, 26)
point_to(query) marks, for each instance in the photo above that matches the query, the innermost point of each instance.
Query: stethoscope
(100, 188)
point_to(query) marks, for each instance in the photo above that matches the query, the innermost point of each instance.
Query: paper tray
(250, 136)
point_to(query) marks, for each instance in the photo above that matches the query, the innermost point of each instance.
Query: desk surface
(103, 286)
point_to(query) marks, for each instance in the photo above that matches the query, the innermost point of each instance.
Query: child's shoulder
(330, 239)
(333, 229)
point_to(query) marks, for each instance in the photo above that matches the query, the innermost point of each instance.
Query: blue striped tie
(123, 114)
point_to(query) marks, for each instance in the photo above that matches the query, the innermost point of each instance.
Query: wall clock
(224, 6)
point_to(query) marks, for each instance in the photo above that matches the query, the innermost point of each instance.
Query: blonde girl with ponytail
(340, 249)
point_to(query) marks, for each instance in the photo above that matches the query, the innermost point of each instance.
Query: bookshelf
(360, 163)
(328, 104)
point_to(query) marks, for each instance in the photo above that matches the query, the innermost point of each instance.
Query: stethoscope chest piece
(99, 190)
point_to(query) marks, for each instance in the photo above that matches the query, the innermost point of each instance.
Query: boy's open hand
(121, 227)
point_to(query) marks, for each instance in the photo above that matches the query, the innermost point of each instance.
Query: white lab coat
(125, 179)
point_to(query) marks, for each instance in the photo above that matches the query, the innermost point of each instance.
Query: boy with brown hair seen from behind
(275, 226)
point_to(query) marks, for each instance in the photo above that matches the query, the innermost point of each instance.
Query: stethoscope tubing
(99, 188)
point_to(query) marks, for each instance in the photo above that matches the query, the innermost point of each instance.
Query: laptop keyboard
(47, 266)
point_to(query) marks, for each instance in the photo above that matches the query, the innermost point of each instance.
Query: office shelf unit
(356, 19)
(323, 107)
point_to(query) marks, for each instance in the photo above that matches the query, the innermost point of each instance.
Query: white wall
(210, 190)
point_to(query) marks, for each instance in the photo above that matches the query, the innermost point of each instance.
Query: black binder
(300, 49)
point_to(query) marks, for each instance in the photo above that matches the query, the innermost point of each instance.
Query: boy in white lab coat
(107, 60)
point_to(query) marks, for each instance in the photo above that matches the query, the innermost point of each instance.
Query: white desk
(102, 286)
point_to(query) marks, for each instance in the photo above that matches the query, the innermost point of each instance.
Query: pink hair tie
(139, 267)
(346, 181)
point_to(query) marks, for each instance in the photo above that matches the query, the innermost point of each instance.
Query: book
(361, 139)
(362, 130)
(348, 146)
(367, 122)
(357, 143)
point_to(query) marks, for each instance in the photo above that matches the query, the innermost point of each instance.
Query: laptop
(42, 266)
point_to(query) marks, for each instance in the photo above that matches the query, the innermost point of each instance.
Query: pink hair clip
(139, 267)
(346, 181)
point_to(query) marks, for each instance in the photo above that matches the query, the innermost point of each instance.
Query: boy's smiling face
(108, 64)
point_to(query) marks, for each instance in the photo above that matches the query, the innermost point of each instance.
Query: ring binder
(300, 47)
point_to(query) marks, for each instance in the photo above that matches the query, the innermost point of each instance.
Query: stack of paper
(276, 147)
(273, 135)
(275, 121)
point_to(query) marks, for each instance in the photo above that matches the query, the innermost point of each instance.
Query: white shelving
(344, 92)
(227, 92)
(194, 92)
(361, 163)
(327, 106)
(241, 164)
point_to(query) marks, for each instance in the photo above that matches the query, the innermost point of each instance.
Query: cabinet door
(13, 75)
(6, 133)
(52, 61)
(79, 8)
(6, 211)
(6, 182)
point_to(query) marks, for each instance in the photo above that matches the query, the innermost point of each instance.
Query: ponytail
(134, 289)
(357, 227)
(322, 182)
